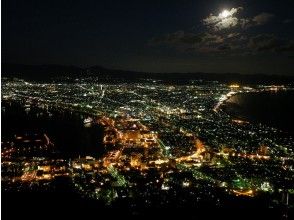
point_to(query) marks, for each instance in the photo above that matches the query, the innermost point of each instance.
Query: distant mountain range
(47, 72)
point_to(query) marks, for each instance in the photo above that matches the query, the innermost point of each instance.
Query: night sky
(252, 36)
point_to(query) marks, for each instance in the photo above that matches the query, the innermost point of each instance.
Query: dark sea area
(274, 109)
(66, 130)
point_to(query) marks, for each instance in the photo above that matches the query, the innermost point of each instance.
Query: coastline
(265, 110)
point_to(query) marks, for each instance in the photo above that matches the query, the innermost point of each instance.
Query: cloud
(233, 35)
(288, 21)
(224, 20)
(202, 42)
(289, 47)
(226, 33)
(179, 37)
(245, 23)
(210, 39)
(227, 23)
(182, 38)
(224, 47)
(228, 19)
(224, 43)
(266, 42)
(263, 42)
(262, 18)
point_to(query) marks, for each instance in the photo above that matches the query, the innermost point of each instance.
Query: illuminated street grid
(167, 141)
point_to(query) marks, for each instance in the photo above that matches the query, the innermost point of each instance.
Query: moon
(224, 14)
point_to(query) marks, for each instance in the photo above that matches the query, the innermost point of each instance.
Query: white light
(225, 14)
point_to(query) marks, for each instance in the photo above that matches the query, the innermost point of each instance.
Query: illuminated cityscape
(155, 109)
(158, 139)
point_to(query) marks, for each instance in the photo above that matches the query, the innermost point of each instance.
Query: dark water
(275, 109)
(65, 129)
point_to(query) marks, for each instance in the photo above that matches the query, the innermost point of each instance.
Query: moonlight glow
(225, 14)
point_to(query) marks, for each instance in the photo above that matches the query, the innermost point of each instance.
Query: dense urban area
(163, 144)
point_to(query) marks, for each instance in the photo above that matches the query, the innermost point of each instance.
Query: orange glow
(240, 121)
(234, 86)
(244, 193)
(199, 146)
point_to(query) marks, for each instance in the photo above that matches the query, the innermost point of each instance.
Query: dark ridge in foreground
(47, 72)
(65, 205)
